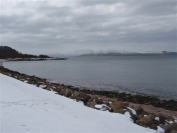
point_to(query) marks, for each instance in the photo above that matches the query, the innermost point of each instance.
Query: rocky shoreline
(145, 111)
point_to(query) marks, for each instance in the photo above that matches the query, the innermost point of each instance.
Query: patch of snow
(42, 86)
(102, 107)
(98, 106)
(127, 114)
(81, 102)
(133, 111)
(160, 130)
(175, 119)
(26, 108)
(170, 122)
(156, 118)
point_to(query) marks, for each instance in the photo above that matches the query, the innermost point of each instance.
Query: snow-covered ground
(26, 108)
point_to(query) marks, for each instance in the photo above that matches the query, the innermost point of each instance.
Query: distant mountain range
(87, 52)
(72, 53)
(129, 54)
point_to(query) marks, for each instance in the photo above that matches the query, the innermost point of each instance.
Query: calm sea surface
(150, 75)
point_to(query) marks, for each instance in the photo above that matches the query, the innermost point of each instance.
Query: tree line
(8, 52)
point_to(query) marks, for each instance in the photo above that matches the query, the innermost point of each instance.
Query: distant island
(10, 54)
(130, 54)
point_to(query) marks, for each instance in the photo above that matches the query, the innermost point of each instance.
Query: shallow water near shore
(149, 75)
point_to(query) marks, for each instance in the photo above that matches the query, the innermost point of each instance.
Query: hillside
(8, 52)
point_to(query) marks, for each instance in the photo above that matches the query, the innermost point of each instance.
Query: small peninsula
(10, 54)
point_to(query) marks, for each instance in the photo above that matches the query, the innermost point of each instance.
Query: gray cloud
(157, 8)
(45, 27)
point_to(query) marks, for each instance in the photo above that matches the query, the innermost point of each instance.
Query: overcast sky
(64, 26)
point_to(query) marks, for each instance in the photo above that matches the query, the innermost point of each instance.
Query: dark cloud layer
(62, 26)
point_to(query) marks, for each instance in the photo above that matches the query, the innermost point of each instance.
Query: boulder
(116, 106)
(140, 116)
(125, 105)
(84, 97)
(121, 111)
(75, 94)
(57, 89)
(80, 96)
(68, 93)
(170, 118)
(133, 116)
(91, 104)
(32, 81)
(48, 87)
(171, 127)
(146, 121)
(162, 118)
(139, 110)
(173, 131)
(96, 99)
(1, 69)
(142, 122)
(154, 126)
(62, 91)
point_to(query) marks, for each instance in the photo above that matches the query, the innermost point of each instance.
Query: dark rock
(139, 110)
(154, 126)
(84, 97)
(54, 87)
(75, 94)
(57, 89)
(68, 93)
(133, 116)
(1, 69)
(170, 118)
(171, 127)
(173, 131)
(125, 105)
(91, 104)
(140, 116)
(48, 88)
(62, 91)
(116, 106)
(121, 111)
(161, 118)
(142, 122)
(80, 96)
(95, 99)
(146, 121)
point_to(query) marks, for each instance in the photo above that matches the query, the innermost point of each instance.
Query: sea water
(149, 75)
